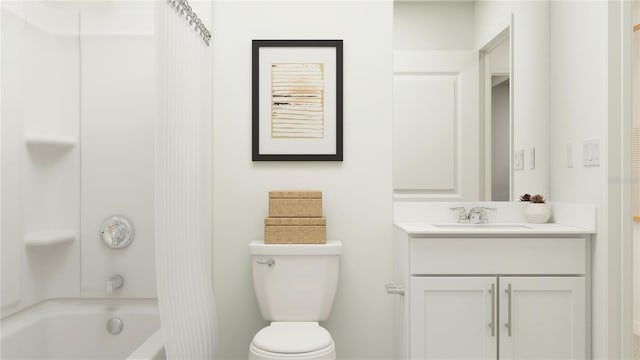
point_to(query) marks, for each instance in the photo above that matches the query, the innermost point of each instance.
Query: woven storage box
(295, 230)
(295, 204)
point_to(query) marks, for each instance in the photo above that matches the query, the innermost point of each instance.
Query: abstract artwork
(297, 97)
(297, 100)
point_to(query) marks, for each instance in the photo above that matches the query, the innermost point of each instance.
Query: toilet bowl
(292, 340)
(295, 285)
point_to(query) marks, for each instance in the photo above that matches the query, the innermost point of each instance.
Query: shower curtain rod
(183, 7)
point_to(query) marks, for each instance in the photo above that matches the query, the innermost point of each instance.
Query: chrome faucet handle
(114, 283)
(478, 215)
(462, 213)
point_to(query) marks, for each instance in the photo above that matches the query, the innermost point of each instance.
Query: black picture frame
(256, 46)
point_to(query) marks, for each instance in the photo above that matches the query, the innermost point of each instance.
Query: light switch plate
(591, 152)
(518, 161)
(569, 155)
(532, 158)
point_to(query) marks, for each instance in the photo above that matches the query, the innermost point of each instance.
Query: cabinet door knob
(395, 289)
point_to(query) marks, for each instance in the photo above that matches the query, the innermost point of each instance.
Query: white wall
(357, 192)
(579, 111)
(433, 25)
(530, 80)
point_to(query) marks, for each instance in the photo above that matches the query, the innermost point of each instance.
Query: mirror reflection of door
(500, 138)
(496, 81)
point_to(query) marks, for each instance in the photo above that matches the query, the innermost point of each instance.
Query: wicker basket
(295, 204)
(295, 230)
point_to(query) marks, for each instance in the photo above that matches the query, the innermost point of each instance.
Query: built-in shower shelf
(40, 140)
(49, 238)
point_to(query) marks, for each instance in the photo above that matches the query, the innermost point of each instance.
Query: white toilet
(295, 285)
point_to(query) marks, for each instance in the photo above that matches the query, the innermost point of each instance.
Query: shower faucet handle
(114, 283)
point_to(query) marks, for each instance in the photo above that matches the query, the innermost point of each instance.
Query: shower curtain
(182, 186)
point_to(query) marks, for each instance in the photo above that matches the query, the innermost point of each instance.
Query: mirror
(470, 93)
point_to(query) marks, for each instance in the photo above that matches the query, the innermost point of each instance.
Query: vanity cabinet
(459, 317)
(492, 297)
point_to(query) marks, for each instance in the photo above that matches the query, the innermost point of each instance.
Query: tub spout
(114, 283)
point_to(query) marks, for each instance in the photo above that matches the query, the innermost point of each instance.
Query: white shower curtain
(182, 186)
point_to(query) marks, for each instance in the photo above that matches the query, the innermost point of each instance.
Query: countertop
(520, 229)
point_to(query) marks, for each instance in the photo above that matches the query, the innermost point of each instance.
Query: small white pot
(537, 213)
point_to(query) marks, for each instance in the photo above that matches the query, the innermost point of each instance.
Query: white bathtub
(77, 329)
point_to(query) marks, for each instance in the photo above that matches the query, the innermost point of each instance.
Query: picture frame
(297, 100)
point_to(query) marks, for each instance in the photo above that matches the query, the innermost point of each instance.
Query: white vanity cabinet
(496, 296)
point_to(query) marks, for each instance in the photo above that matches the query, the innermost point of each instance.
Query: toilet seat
(292, 340)
(325, 354)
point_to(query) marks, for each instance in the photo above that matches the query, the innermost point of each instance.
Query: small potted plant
(537, 211)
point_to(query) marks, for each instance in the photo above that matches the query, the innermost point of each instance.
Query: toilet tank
(295, 282)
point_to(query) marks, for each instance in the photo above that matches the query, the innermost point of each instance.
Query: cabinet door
(452, 318)
(542, 318)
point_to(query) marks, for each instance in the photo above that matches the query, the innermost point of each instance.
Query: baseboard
(636, 327)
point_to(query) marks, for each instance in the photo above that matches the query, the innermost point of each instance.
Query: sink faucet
(462, 214)
(114, 283)
(478, 215)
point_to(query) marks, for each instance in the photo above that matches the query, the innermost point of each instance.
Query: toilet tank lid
(331, 247)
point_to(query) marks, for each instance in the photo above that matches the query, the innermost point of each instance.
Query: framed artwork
(297, 100)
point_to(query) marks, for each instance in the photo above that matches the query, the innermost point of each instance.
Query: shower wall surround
(41, 178)
(77, 147)
(119, 100)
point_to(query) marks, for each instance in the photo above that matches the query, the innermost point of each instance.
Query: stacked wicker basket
(295, 217)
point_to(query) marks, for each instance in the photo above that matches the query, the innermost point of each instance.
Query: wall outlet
(518, 160)
(591, 152)
(569, 155)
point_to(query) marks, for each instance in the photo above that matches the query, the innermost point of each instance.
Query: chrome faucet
(478, 215)
(462, 214)
(114, 283)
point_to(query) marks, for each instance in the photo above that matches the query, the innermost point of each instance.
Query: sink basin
(505, 227)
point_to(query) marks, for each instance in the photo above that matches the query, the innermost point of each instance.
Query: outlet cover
(591, 152)
(531, 158)
(518, 161)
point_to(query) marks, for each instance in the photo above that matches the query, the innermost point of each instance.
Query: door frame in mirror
(502, 32)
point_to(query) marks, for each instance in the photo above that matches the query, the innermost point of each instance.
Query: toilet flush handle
(395, 289)
(268, 262)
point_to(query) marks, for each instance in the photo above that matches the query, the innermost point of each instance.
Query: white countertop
(520, 229)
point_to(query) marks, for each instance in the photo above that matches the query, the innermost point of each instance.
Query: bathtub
(77, 329)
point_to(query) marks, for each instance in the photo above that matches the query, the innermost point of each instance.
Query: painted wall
(433, 25)
(579, 111)
(530, 80)
(357, 192)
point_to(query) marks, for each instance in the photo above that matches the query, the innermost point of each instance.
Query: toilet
(295, 285)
